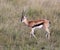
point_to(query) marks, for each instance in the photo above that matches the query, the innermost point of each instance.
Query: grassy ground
(14, 35)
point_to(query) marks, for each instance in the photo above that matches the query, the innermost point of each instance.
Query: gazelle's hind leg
(48, 33)
(32, 33)
(46, 27)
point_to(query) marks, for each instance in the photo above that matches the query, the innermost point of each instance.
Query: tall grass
(15, 35)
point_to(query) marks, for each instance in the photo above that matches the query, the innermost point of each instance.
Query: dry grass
(14, 35)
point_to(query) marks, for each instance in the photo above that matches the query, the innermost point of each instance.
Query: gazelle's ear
(25, 17)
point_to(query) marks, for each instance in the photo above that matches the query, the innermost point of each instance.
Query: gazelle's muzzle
(21, 19)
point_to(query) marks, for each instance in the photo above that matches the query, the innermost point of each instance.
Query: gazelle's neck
(26, 21)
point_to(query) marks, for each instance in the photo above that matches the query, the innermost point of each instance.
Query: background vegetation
(14, 35)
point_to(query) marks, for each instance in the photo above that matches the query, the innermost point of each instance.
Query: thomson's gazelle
(37, 24)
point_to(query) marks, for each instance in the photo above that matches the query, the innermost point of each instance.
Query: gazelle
(42, 23)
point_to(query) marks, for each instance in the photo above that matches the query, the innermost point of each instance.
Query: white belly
(39, 26)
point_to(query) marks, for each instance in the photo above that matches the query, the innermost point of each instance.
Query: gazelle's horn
(22, 15)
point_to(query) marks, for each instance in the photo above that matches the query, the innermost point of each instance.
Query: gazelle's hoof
(48, 36)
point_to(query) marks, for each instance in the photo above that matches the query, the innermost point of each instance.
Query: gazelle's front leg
(32, 33)
(48, 33)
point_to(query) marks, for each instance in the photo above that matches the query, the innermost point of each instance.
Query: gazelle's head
(23, 18)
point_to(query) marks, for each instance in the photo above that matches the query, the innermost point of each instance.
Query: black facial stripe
(37, 25)
(21, 18)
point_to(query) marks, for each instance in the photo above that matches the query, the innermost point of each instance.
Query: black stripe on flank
(37, 25)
